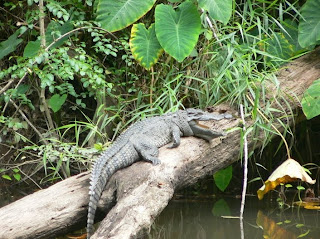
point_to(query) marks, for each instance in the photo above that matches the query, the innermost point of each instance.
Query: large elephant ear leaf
(219, 10)
(144, 45)
(114, 15)
(309, 26)
(178, 31)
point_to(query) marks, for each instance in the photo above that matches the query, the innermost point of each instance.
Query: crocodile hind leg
(147, 151)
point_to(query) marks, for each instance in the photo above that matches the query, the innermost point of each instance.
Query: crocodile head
(202, 131)
(196, 114)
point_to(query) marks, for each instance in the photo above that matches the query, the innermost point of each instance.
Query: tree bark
(134, 196)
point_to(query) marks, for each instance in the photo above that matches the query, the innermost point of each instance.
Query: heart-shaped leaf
(116, 15)
(56, 102)
(178, 31)
(223, 177)
(144, 45)
(309, 26)
(219, 10)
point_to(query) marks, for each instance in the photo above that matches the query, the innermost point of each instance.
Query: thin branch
(41, 20)
(75, 30)
(151, 86)
(29, 122)
(29, 177)
(6, 86)
(3, 9)
(245, 171)
(43, 46)
(212, 28)
(26, 73)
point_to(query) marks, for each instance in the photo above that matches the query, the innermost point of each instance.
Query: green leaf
(309, 26)
(17, 176)
(279, 47)
(223, 177)
(219, 10)
(290, 32)
(23, 88)
(5, 176)
(56, 102)
(311, 100)
(144, 45)
(31, 49)
(221, 208)
(178, 31)
(98, 146)
(9, 45)
(55, 30)
(116, 15)
(15, 170)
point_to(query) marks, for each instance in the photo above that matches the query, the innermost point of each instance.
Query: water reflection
(218, 218)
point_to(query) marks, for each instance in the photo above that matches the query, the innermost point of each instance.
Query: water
(262, 219)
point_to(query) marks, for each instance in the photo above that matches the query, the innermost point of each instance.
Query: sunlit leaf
(5, 176)
(289, 171)
(17, 176)
(144, 45)
(116, 15)
(178, 30)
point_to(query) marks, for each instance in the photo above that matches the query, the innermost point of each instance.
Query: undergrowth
(65, 103)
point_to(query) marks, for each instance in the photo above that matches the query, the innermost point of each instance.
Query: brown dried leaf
(289, 171)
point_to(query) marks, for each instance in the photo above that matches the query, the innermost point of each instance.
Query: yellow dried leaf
(289, 171)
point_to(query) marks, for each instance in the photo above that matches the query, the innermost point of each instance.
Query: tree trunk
(135, 195)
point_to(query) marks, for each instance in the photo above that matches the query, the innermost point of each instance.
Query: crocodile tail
(95, 192)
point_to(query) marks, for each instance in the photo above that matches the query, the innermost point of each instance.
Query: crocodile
(141, 142)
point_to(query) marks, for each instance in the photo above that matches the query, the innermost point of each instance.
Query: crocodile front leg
(176, 137)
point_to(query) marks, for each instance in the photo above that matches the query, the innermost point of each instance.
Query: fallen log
(135, 195)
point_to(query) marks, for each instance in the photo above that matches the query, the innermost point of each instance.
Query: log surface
(134, 196)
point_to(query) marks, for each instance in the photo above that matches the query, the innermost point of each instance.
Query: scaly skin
(141, 141)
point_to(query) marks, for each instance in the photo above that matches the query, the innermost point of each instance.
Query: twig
(245, 171)
(6, 86)
(3, 9)
(75, 30)
(212, 28)
(50, 122)
(29, 177)
(28, 121)
(43, 46)
(42, 29)
(151, 86)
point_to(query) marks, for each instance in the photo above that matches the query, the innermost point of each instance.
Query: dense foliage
(73, 71)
